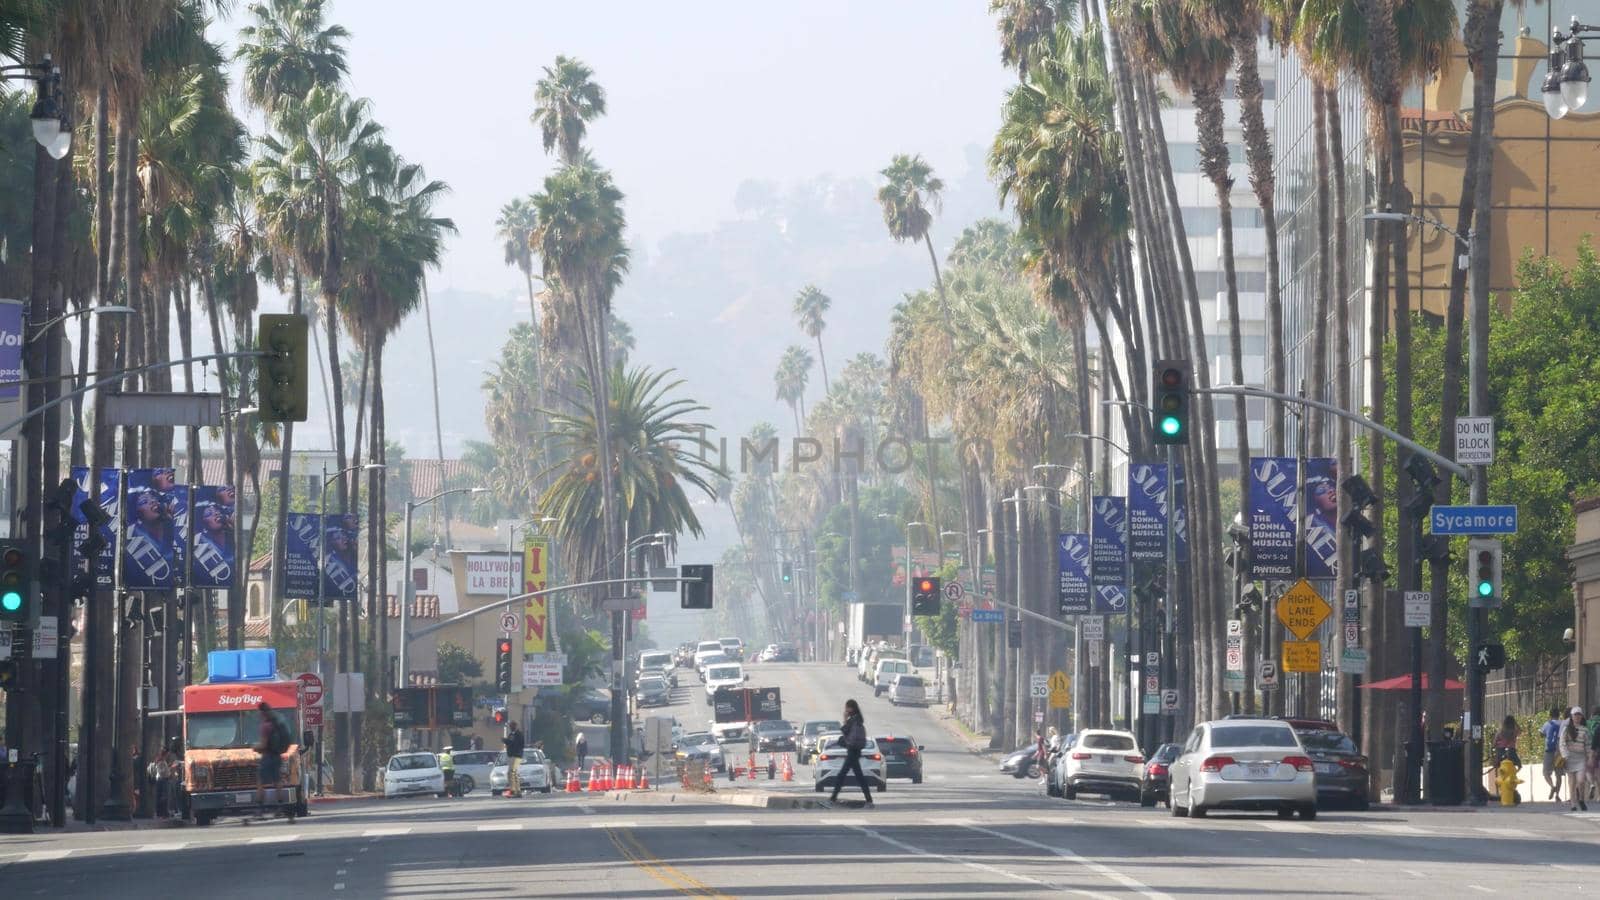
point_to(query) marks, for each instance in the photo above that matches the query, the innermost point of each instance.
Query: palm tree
(566, 100)
(794, 369)
(515, 227)
(909, 197)
(810, 306)
(1026, 24)
(287, 51)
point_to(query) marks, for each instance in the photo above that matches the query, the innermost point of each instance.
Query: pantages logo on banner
(1320, 517)
(536, 610)
(1272, 511)
(1109, 537)
(1072, 565)
(105, 490)
(1147, 512)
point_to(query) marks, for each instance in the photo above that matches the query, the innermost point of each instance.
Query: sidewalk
(973, 742)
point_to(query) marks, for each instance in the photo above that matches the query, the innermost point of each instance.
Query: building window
(255, 601)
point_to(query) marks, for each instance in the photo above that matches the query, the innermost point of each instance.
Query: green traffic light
(1170, 425)
(1485, 588)
(11, 602)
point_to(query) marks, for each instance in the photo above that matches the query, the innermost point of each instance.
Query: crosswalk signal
(925, 596)
(499, 715)
(1170, 400)
(696, 592)
(19, 602)
(788, 572)
(1489, 657)
(1484, 570)
(502, 666)
(284, 383)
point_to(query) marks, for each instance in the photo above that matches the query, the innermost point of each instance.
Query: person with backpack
(854, 738)
(514, 747)
(273, 745)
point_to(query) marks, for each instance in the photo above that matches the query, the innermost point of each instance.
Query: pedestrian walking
(273, 743)
(1575, 758)
(514, 747)
(580, 748)
(1505, 742)
(854, 738)
(1551, 731)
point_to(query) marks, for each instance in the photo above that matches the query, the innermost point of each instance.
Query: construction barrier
(573, 786)
(595, 779)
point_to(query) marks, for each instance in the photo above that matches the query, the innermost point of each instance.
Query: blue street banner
(303, 535)
(1072, 566)
(1109, 535)
(105, 490)
(211, 520)
(1272, 487)
(1147, 512)
(1320, 517)
(339, 563)
(178, 503)
(11, 343)
(150, 534)
(1180, 516)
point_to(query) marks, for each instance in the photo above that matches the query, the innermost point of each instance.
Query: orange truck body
(223, 780)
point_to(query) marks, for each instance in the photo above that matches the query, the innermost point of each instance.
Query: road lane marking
(614, 824)
(640, 856)
(45, 855)
(156, 848)
(1104, 871)
(338, 885)
(981, 867)
(1053, 820)
(1399, 829)
(1413, 873)
(274, 839)
(1480, 888)
(385, 832)
(502, 826)
(838, 821)
(1506, 832)
(1285, 826)
(729, 822)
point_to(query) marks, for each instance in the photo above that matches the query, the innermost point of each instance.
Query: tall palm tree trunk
(1318, 370)
(438, 422)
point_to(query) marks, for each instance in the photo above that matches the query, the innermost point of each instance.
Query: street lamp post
(1566, 85)
(51, 126)
(44, 327)
(409, 593)
(322, 565)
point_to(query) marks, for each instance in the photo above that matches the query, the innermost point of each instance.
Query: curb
(343, 798)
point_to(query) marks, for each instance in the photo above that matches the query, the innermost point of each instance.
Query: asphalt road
(966, 832)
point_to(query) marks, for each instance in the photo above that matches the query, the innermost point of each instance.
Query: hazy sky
(700, 96)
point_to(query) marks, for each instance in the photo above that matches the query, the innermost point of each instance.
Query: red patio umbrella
(1403, 683)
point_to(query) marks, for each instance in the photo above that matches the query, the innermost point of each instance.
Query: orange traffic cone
(594, 779)
(788, 769)
(708, 776)
(627, 778)
(573, 786)
(644, 780)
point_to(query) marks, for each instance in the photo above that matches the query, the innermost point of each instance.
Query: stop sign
(313, 686)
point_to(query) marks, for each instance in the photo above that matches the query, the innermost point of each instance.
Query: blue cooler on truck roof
(241, 665)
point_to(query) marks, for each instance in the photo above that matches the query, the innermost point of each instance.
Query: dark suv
(1155, 782)
(772, 735)
(902, 758)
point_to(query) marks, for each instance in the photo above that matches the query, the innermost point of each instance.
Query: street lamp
(322, 565)
(905, 622)
(410, 585)
(46, 325)
(51, 127)
(1566, 84)
(1463, 259)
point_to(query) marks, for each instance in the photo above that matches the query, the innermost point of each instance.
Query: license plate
(1327, 768)
(244, 797)
(1105, 759)
(1259, 770)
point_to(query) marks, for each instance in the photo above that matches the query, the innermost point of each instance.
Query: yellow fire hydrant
(1507, 782)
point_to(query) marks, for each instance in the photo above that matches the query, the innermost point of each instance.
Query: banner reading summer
(1272, 489)
(1109, 537)
(151, 534)
(304, 534)
(535, 610)
(1072, 559)
(1147, 512)
(1321, 512)
(105, 490)
(211, 527)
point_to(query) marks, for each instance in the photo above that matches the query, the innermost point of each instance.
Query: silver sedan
(1245, 764)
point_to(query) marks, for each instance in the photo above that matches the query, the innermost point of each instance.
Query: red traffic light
(1171, 377)
(505, 645)
(925, 585)
(12, 557)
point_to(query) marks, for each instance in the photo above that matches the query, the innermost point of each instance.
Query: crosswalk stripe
(503, 826)
(1507, 832)
(1297, 827)
(1053, 820)
(838, 821)
(729, 822)
(274, 839)
(151, 848)
(1398, 829)
(628, 824)
(45, 855)
(385, 832)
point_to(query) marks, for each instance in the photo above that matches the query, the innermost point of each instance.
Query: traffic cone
(594, 779)
(708, 776)
(627, 778)
(644, 780)
(788, 769)
(573, 786)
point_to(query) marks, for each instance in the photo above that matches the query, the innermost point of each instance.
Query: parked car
(1022, 762)
(1340, 768)
(536, 774)
(830, 759)
(1251, 764)
(810, 730)
(772, 736)
(902, 757)
(908, 690)
(592, 705)
(885, 671)
(476, 765)
(784, 653)
(1101, 761)
(1156, 779)
(410, 774)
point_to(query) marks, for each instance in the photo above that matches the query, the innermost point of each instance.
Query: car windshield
(715, 658)
(1117, 742)
(692, 740)
(1252, 736)
(774, 725)
(1168, 752)
(227, 730)
(722, 673)
(909, 681)
(655, 660)
(1328, 740)
(411, 761)
(714, 646)
(894, 744)
(814, 728)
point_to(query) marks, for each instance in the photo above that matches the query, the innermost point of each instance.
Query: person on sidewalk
(514, 748)
(1551, 731)
(447, 765)
(854, 739)
(1575, 755)
(580, 747)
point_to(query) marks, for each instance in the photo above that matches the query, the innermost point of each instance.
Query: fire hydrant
(1507, 782)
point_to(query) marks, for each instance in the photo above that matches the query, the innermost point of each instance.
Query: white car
(700, 745)
(729, 732)
(660, 662)
(1251, 764)
(536, 773)
(908, 690)
(1100, 761)
(831, 759)
(477, 765)
(726, 675)
(705, 649)
(409, 774)
(885, 673)
(733, 646)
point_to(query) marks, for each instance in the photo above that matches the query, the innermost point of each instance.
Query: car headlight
(201, 775)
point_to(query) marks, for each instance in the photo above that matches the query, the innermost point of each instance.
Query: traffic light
(925, 596)
(499, 715)
(788, 572)
(283, 382)
(1170, 400)
(19, 601)
(695, 594)
(1483, 572)
(1489, 657)
(502, 665)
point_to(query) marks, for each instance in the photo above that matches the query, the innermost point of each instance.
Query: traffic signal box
(1170, 400)
(925, 595)
(284, 382)
(695, 594)
(1483, 572)
(19, 598)
(502, 665)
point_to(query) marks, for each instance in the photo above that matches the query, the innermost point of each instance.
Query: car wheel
(203, 819)
(916, 779)
(1146, 799)
(465, 784)
(1068, 792)
(1198, 811)
(1177, 811)
(1286, 813)
(877, 692)
(597, 719)
(1362, 804)
(1308, 811)
(819, 787)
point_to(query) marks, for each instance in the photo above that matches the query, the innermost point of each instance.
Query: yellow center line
(635, 852)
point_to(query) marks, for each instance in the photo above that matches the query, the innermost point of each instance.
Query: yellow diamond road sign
(1302, 609)
(1060, 690)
